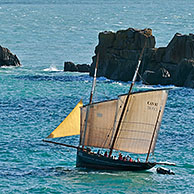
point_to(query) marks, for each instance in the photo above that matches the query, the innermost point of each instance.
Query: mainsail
(141, 119)
(70, 125)
(139, 122)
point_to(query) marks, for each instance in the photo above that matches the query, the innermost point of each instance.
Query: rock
(83, 68)
(160, 54)
(106, 39)
(69, 66)
(180, 47)
(161, 76)
(133, 39)
(190, 80)
(119, 53)
(185, 73)
(7, 58)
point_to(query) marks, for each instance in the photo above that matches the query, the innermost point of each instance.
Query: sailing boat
(129, 123)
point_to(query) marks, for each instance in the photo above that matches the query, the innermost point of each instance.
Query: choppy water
(35, 98)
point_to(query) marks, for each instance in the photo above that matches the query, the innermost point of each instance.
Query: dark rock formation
(173, 64)
(185, 73)
(7, 58)
(119, 53)
(83, 68)
(180, 47)
(69, 66)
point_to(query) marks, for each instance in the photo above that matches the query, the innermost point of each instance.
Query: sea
(36, 97)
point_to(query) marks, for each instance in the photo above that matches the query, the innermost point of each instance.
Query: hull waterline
(94, 161)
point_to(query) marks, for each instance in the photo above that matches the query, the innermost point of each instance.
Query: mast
(94, 80)
(91, 96)
(127, 98)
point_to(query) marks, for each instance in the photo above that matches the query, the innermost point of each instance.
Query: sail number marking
(152, 105)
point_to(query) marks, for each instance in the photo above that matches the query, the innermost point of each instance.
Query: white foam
(8, 67)
(52, 68)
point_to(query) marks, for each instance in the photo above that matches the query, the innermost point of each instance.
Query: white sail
(100, 124)
(139, 121)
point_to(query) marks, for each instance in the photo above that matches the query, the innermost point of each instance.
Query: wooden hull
(94, 161)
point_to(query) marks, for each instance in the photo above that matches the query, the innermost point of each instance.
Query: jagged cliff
(119, 52)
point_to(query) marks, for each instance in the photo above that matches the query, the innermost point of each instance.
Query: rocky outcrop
(180, 47)
(185, 73)
(7, 58)
(119, 53)
(69, 66)
(173, 64)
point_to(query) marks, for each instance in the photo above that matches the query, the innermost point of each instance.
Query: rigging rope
(103, 93)
(141, 78)
(107, 137)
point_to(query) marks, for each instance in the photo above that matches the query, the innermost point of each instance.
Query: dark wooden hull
(94, 161)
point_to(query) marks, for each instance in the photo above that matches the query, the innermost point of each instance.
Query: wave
(156, 86)
(8, 67)
(52, 68)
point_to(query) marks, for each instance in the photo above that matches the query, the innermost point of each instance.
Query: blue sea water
(36, 97)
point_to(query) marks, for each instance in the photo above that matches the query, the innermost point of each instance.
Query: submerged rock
(7, 58)
(162, 170)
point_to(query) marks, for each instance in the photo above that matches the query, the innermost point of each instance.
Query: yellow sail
(70, 125)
